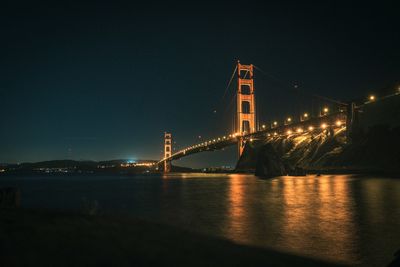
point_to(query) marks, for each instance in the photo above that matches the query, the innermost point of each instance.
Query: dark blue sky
(105, 80)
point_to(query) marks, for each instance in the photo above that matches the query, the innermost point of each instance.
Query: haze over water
(339, 218)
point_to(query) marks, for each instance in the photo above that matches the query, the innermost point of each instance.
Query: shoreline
(43, 237)
(327, 171)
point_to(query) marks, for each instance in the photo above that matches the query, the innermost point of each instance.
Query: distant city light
(289, 119)
(338, 123)
(289, 132)
(299, 130)
(131, 164)
(275, 123)
(305, 115)
(323, 125)
(371, 98)
(326, 110)
(310, 128)
(275, 133)
(263, 126)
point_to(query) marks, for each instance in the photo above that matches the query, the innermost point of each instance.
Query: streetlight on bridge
(325, 111)
(304, 117)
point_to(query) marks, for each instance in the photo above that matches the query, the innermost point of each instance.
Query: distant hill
(53, 164)
(70, 163)
(74, 166)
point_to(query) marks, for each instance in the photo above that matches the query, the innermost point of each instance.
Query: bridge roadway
(337, 119)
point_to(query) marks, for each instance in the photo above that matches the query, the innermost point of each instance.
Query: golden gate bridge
(246, 129)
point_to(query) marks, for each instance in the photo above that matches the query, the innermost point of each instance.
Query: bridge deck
(337, 119)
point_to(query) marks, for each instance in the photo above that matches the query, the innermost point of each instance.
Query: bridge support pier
(241, 144)
(167, 151)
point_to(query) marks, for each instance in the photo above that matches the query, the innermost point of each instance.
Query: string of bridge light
(288, 121)
(215, 141)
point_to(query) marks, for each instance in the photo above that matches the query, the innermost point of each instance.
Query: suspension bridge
(331, 115)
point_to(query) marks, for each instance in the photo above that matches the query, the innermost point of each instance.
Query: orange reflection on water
(337, 219)
(295, 200)
(318, 211)
(236, 228)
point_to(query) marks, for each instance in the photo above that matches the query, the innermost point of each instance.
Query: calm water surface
(339, 218)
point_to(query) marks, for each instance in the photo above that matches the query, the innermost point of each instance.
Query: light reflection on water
(321, 217)
(305, 215)
(339, 218)
(318, 212)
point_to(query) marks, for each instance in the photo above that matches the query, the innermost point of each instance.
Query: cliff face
(308, 150)
(374, 146)
(378, 149)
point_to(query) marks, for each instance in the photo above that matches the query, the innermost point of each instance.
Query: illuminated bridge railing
(306, 124)
(333, 120)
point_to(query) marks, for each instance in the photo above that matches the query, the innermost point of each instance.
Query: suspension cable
(295, 88)
(230, 81)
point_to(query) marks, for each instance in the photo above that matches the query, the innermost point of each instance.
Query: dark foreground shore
(39, 238)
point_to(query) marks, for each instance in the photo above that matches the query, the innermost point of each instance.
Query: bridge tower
(246, 111)
(167, 151)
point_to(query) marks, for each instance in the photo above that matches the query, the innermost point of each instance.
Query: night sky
(103, 81)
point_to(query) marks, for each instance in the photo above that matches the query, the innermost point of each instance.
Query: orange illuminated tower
(167, 151)
(246, 112)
